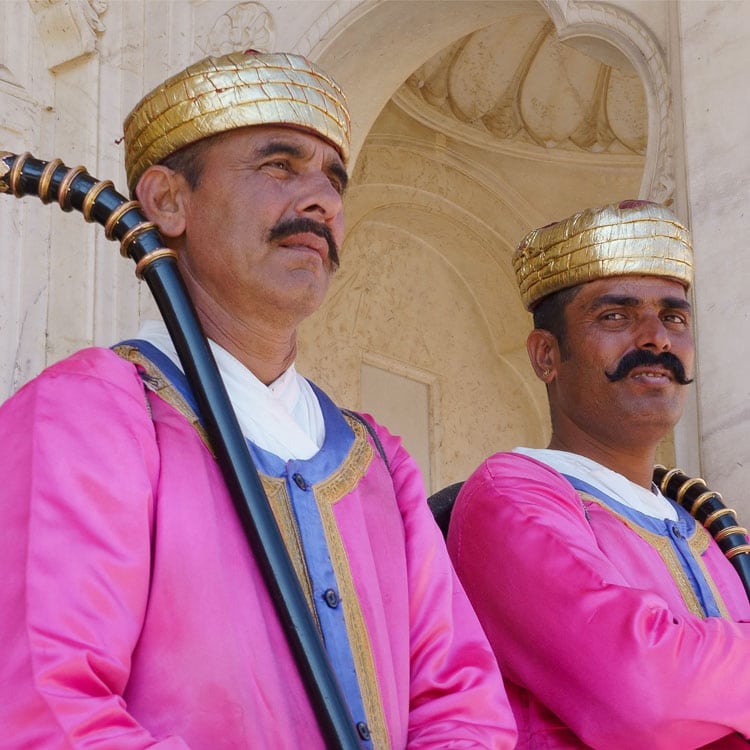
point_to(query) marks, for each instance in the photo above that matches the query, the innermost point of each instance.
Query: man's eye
(613, 316)
(676, 318)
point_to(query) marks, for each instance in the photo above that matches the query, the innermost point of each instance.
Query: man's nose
(653, 335)
(318, 197)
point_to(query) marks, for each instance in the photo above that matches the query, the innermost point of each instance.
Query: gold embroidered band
(236, 90)
(631, 237)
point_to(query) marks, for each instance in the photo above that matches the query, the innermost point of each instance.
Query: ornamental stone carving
(244, 26)
(68, 28)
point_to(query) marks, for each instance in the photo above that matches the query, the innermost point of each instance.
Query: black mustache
(290, 227)
(641, 357)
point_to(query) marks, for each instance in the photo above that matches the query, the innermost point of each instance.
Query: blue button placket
(325, 590)
(299, 477)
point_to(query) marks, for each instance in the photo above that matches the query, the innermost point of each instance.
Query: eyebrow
(295, 151)
(674, 303)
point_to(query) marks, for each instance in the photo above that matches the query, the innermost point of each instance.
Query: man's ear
(161, 193)
(544, 354)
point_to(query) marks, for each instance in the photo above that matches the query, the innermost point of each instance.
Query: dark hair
(549, 314)
(188, 161)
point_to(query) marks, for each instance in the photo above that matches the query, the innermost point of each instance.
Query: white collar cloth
(283, 418)
(651, 502)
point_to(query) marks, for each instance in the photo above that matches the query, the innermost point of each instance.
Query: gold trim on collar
(327, 493)
(156, 382)
(281, 506)
(697, 543)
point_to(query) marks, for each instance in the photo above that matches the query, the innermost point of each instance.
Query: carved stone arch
(605, 32)
(431, 176)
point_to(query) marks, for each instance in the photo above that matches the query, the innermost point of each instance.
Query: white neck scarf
(651, 502)
(283, 418)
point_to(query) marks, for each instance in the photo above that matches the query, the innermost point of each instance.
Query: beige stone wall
(473, 121)
(714, 61)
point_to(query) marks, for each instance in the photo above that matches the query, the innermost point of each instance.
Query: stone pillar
(715, 43)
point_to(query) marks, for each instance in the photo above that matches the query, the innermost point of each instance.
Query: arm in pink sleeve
(456, 694)
(78, 465)
(612, 661)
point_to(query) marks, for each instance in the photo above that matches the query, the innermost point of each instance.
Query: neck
(265, 350)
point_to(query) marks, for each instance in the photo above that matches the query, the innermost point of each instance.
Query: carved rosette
(244, 26)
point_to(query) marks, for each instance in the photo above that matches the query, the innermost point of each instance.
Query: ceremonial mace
(139, 239)
(707, 507)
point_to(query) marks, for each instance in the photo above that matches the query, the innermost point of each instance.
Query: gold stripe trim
(697, 544)
(281, 507)
(327, 494)
(156, 382)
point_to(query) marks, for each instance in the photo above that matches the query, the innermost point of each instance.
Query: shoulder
(387, 444)
(94, 373)
(513, 484)
(509, 469)
(95, 362)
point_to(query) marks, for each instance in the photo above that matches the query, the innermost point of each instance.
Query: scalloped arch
(597, 28)
(345, 44)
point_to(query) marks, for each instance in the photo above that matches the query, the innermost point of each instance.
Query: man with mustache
(133, 613)
(616, 620)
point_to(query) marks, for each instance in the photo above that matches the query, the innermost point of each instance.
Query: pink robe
(133, 615)
(598, 643)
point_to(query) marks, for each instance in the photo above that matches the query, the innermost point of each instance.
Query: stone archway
(484, 127)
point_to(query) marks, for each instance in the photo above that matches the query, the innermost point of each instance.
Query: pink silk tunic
(599, 644)
(132, 614)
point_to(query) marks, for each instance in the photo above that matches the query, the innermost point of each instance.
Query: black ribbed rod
(53, 181)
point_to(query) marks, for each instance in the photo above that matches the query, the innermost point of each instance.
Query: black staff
(140, 239)
(709, 509)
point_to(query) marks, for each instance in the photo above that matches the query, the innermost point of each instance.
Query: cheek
(685, 351)
(337, 229)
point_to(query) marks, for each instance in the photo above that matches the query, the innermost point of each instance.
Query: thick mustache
(641, 357)
(290, 227)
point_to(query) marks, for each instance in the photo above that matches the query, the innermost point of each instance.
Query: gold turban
(222, 93)
(631, 237)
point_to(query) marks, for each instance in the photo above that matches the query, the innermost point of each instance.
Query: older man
(133, 613)
(616, 620)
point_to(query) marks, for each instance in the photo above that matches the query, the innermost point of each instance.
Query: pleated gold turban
(631, 237)
(233, 91)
